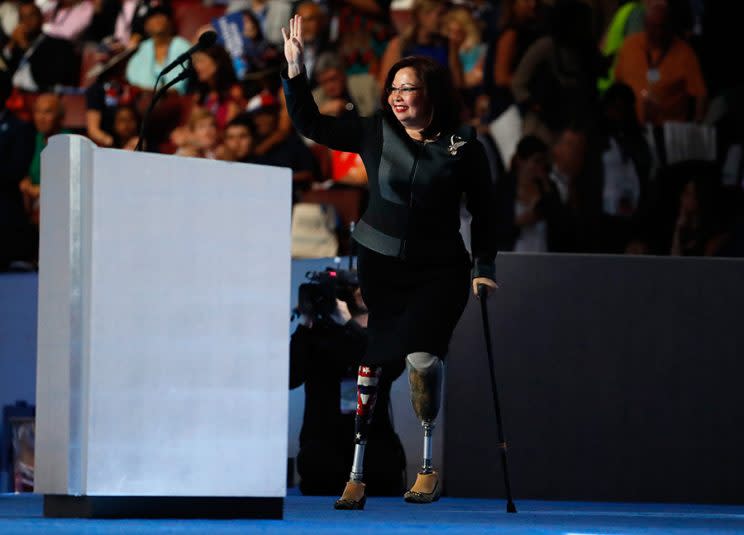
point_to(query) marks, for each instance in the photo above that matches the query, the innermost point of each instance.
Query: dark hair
(130, 108)
(243, 119)
(438, 90)
(225, 76)
(530, 145)
(622, 95)
(134, 112)
(259, 32)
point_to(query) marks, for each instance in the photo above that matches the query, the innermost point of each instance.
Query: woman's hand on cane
(293, 46)
(489, 284)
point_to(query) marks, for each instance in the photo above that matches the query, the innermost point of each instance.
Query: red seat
(190, 15)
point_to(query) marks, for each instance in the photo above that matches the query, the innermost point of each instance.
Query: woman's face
(125, 124)
(205, 66)
(407, 100)
(456, 32)
(249, 28)
(430, 20)
(157, 25)
(525, 10)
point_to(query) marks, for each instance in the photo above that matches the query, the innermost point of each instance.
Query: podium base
(64, 506)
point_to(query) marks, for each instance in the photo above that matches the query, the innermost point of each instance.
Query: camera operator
(325, 352)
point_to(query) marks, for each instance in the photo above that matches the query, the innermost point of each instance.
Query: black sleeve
(345, 134)
(103, 23)
(481, 204)
(22, 152)
(95, 99)
(13, 58)
(303, 159)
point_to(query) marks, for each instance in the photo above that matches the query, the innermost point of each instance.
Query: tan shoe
(353, 497)
(426, 489)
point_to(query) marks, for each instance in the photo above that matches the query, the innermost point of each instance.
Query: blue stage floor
(22, 514)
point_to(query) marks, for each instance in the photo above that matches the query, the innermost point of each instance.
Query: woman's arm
(283, 129)
(391, 55)
(454, 64)
(505, 51)
(336, 133)
(481, 203)
(93, 124)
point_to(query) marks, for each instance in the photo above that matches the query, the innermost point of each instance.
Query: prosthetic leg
(425, 373)
(354, 496)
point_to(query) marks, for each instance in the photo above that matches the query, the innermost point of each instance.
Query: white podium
(162, 377)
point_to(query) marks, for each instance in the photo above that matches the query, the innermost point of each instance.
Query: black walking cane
(482, 296)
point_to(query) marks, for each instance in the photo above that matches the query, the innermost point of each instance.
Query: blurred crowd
(611, 126)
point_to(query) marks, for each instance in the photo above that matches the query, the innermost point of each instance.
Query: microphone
(206, 40)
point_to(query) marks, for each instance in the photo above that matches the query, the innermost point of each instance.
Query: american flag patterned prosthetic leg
(367, 381)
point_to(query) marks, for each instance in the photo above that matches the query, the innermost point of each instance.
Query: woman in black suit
(414, 270)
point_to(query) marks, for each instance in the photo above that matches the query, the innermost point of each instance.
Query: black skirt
(413, 306)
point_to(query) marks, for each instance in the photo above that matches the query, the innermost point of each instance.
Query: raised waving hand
(293, 46)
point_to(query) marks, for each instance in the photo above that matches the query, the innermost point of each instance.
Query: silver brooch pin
(455, 143)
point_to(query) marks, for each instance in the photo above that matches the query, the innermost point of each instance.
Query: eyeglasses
(404, 91)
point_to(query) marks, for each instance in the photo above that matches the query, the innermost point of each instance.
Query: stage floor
(22, 514)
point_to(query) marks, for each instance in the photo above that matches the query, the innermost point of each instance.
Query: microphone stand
(187, 71)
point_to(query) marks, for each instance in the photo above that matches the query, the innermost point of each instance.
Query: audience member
(68, 19)
(531, 216)
(38, 61)
(155, 53)
(626, 165)
(103, 98)
(662, 69)
(202, 136)
(623, 23)
(556, 80)
(239, 136)
(576, 177)
(520, 23)
(364, 30)
(696, 232)
(315, 38)
(462, 31)
(136, 18)
(539, 214)
(8, 19)
(48, 116)
(126, 127)
(423, 38)
(17, 237)
(216, 84)
(272, 14)
(258, 53)
(338, 94)
(291, 152)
